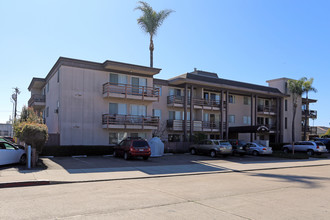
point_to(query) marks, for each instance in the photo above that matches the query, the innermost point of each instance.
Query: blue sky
(250, 41)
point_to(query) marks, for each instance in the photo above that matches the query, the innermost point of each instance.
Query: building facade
(89, 103)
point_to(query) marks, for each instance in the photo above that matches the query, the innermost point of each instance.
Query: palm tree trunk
(306, 112)
(151, 48)
(293, 134)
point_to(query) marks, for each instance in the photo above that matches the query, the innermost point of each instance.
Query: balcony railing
(128, 89)
(310, 113)
(115, 119)
(178, 125)
(211, 125)
(310, 129)
(36, 98)
(173, 99)
(266, 108)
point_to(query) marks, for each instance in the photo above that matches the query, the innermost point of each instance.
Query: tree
(307, 87)
(150, 21)
(296, 89)
(30, 129)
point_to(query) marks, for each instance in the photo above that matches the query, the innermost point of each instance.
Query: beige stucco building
(89, 103)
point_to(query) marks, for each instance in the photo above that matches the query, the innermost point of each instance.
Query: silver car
(256, 148)
(212, 148)
(311, 147)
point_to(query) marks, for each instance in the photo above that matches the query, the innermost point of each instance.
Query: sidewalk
(55, 173)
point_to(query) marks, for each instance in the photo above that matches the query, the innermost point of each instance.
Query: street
(293, 193)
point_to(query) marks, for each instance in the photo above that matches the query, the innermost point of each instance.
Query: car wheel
(255, 153)
(145, 157)
(310, 152)
(213, 154)
(192, 151)
(286, 150)
(22, 160)
(114, 154)
(126, 156)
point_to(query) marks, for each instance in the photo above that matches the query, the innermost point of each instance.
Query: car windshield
(224, 143)
(140, 144)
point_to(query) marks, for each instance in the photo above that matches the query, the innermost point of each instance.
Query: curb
(47, 182)
(24, 184)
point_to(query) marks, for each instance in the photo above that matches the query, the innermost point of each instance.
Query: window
(174, 115)
(206, 95)
(231, 99)
(118, 78)
(117, 108)
(286, 105)
(159, 89)
(116, 138)
(158, 113)
(260, 120)
(231, 118)
(247, 120)
(47, 87)
(139, 110)
(286, 123)
(247, 100)
(58, 76)
(47, 111)
(205, 117)
(188, 116)
(176, 92)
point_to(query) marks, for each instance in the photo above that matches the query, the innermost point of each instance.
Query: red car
(132, 147)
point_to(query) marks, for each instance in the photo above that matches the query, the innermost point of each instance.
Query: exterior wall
(82, 105)
(287, 132)
(52, 97)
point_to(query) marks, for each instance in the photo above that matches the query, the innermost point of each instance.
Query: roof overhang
(112, 65)
(182, 81)
(37, 83)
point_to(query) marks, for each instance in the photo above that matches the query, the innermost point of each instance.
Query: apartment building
(90, 103)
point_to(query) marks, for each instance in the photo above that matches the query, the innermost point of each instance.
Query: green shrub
(34, 134)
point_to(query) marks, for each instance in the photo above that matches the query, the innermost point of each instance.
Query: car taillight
(131, 149)
(263, 148)
(317, 146)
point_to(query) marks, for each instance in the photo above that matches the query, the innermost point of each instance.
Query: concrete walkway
(57, 173)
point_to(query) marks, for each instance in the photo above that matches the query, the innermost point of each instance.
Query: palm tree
(150, 21)
(307, 87)
(296, 89)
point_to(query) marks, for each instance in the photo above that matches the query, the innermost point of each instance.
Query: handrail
(266, 108)
(174, 99)
(116, 119)
(129, 89)
(36, 98)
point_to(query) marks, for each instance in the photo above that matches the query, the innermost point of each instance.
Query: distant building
(6, 130)
(90, 103)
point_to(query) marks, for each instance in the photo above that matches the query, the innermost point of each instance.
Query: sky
(244, 40)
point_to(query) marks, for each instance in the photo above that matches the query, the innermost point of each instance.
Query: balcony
(310, 114)
(117, 90)
(178, 101)
(177, 125)
(310, 130)
(115, 121)
(37, 101)
(267, 109)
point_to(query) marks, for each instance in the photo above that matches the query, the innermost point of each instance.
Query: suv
(211, 147)
(238, 147)
(325, 141)
(310, 147)
(132, 147)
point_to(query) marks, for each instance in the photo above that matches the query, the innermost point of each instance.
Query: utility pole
(14, 97)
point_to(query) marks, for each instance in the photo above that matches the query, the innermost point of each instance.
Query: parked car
(11, 154)
(132, 147)
(238, 147)
(325, 141)
(8, 140)
(211, 147)
(311, 147)
(256, 149)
